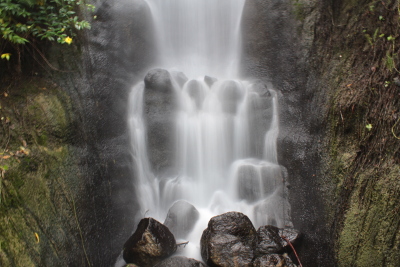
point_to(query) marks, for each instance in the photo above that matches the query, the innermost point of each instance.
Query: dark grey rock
(210, 80)
(249, 184)
(179, 77)
(292, 235)
(196, 92)
(159, 108)
(268, 240)
(180, 262)
(151, 243)
(229, 240)
(230, 94)
(273, 260)
(181, 218)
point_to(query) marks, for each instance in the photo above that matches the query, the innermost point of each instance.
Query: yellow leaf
(37, 238)
(6, 157)
(5, 56)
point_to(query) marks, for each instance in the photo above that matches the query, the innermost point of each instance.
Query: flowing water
(225, 129)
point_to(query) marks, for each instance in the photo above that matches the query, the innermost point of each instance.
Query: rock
(274, 210)
(273, 260)
(196, 92)
(290, 234)
(159, 80)
(179, 77)
(180, 262)
(249, 184)
(229, 240)
(260, 116)
(210, 80)
(230, 94)
(151, 243)
(181, 218)
(159, 107)
(130, 265)
(268, 240)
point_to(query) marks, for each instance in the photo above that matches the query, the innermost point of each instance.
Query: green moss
(370, 235)
(41, 181)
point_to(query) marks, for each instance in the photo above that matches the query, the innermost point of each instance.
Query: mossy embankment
(40, 180)
(357, 45)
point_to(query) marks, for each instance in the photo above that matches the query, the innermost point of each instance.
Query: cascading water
(225, 129)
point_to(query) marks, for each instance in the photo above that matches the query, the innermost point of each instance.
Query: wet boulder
(196, 92)
(249, 183)
(180, 262)
(159, 109)
(291, 235)
(231, 95)
(179, 77)
(150, 243)
(268, 240)
(229, 240)
(210, 80)
(181, 218)
(273, 260)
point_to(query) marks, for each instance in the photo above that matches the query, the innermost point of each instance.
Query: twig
(47, 62)
(295, 253)
(183, 244)
(393, 129)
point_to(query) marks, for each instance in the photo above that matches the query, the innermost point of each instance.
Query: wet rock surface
(181, 218)
(180, 262)
(228, 241)
(159, 107)
(273, 260)
(151, 243)
(210, 80)
(268, 240)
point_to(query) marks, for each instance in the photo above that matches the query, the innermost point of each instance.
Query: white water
(225, 134)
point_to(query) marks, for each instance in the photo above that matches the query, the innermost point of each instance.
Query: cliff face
(335, 65)
(362, 145)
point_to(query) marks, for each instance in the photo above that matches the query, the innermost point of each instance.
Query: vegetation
(361, 44)
(31, 21)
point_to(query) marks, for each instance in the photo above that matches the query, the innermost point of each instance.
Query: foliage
(21, 21)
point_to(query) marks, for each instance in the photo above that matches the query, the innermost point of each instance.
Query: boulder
(273, 260)
(230, 94)
(196, 92)
(179, 77)
(210, 80)
(181, 218)
(229, 240)
(268, 240)
(292, 235)
(150, 243)
(159, 109)
(180, 262)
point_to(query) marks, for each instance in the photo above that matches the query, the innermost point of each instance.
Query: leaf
(5, 56)
(368, 126)
(37, 237)
(6, 157)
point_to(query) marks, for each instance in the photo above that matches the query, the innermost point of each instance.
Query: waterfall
(224, 130)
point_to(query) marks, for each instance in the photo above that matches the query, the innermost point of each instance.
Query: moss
(371, 230)
(41, 180)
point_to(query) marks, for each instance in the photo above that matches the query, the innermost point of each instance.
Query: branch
(295, 253)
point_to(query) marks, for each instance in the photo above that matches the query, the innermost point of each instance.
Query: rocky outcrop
(149, 244)
(228, 240)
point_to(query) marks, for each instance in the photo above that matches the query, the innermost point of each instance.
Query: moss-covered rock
(39, 223)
